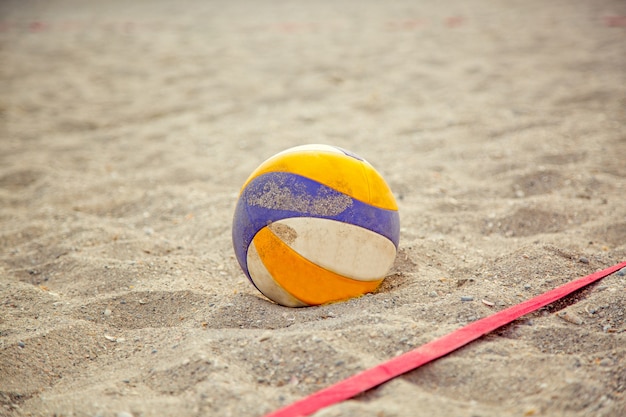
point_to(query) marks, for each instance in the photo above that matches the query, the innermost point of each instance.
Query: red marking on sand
(292, 27)
(431, 351)
(37, 26)
(454, 21)
(288, 27)
(615, 21)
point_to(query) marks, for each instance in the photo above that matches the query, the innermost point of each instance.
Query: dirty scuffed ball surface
(315, 224)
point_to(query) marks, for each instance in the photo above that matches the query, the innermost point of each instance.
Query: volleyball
(315, 224)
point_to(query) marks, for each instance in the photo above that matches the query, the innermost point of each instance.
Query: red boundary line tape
(413, 359)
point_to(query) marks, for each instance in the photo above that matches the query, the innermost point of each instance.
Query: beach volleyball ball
(315, 224)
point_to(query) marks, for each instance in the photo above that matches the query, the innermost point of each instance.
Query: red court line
(399, 365)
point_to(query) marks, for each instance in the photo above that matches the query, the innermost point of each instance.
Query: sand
(126, 131)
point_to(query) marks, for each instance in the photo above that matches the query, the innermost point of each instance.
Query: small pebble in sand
(570, 317)
(467, 298)
(107, 312)
(583, 260)
(21, 344)
(605, 362)
(530, 412)
(622, 272)
(590, 310)
(488, 303)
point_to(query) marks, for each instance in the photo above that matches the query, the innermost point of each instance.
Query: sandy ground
(127, 130)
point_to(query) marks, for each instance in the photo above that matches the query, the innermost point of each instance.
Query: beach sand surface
(128, 128)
